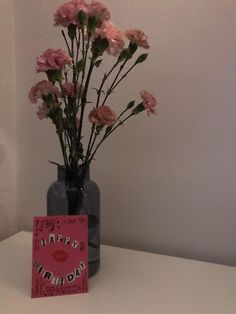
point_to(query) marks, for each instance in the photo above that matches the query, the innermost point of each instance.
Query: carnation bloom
(149, 102)
(95, 8)
(69, 89)
(52, 59)
(114, 36)
(137, 37)
(67, 13)
(42, 88)
(102, 116)
(42, 111)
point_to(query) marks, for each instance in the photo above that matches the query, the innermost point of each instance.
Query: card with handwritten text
(60, 255)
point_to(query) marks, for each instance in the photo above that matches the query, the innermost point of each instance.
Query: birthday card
(60, 255)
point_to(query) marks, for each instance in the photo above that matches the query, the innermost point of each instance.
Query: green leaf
(82, 17)
(72, 31)
(97, 63)
(99, 46)
(55, 114)
(108, 129)
(132, 48)
(48, 99)
(92, 24)
(141, 58)
(125, 54)
(99, 128)
(138, 108)
(54, 75)
(80, 65)
(66, 111)
(130, 104)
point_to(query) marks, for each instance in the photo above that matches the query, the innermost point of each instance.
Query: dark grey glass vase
(63, 198)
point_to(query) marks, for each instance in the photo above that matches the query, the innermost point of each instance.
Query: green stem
(96, 135)
(63, 149)
(84, 98)
(77, 54)
(107, 134)
(73, 151)
(123, 76)
(63, 95)
(105, 77)
(122, 113)
(92, 145)
(67, 136)
(78, 47)
(67, 44)
(85, 56)
(104, 80)
(111, 88)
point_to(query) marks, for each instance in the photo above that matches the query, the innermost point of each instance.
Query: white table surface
(129, 282)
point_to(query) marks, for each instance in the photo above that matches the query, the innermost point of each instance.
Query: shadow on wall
(5, 224)
(5, 227)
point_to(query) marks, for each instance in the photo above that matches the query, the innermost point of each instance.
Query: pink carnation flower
(42, 88)
(114, 36)
(102, 116)
(52, 59)
(137, 37)
(67, 13)
(42, 111)
(97, 9)
(149, 102)
(69, 89)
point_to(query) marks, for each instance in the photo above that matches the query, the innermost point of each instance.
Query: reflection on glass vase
(64, 197)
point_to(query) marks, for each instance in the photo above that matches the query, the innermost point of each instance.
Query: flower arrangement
(89, 34)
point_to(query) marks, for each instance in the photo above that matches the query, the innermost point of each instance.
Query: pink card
(60, 255)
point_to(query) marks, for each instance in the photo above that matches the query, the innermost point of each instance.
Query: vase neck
(61, 173)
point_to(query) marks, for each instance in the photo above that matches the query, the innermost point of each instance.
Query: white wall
(7, 122)
(167, 182)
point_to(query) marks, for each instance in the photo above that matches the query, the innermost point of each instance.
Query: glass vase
(64, 197)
